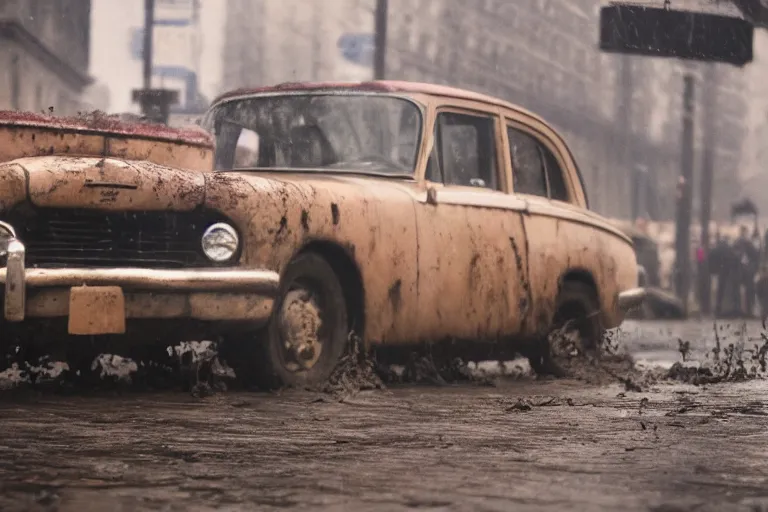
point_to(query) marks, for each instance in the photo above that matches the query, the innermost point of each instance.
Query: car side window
(466, 150)
(527, 164)
(555, 177)
(535, 168)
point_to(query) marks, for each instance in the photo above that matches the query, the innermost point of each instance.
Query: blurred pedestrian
(748, 265)
(720, 266)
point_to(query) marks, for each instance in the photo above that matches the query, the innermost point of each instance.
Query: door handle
(431, 195)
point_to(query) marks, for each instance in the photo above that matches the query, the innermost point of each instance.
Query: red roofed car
(403, 213)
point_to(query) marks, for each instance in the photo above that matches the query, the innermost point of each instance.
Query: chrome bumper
(632, 298)
(16, 279)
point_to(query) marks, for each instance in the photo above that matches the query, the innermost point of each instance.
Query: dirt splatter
(335, 215)
(394, 295)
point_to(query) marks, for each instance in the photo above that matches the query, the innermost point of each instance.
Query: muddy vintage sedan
(403, 213)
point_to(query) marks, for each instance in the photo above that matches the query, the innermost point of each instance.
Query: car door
(561, 233)
(472, 266)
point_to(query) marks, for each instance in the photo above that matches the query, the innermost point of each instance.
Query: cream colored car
(407, 213)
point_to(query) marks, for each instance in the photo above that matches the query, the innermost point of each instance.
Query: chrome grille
(85, 238)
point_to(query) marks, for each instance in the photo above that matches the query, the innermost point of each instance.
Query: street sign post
(664, 32)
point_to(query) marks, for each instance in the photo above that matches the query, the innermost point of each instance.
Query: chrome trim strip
(264, 282)
(480, 198)
(14, 279)
(576, 214)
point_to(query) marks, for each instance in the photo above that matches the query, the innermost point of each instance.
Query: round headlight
(220, 242)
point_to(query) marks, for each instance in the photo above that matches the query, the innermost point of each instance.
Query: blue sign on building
(358, 48)
(137, 43)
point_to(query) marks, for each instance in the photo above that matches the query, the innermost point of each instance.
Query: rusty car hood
(103, 183)
(24, 134)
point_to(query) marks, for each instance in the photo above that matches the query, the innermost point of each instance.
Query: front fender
(373, 222)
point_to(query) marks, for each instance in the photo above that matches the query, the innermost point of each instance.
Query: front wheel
(308, 331)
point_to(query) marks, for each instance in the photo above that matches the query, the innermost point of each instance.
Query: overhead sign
(357, 48)
(661, 32)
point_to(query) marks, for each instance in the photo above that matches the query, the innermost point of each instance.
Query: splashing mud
(196, 367)
(741, 360)
(357, 371)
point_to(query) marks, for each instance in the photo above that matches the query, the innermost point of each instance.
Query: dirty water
(500, 440)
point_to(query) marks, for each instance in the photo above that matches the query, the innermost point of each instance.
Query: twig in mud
(716, 349)
(520, 406)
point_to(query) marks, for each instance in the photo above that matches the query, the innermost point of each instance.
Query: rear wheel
(577, 316)
(576, 327)
(308, 331)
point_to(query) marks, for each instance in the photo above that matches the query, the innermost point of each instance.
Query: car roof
(383, 86)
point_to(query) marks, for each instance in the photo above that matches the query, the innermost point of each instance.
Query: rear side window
(557, 188)
(535, 169)
(527, 165)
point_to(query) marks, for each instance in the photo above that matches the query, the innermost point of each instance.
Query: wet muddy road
(523, 444)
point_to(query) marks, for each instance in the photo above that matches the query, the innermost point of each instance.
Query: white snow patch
(12, 377)
(201, 352)
(51, 370)
(114, 366)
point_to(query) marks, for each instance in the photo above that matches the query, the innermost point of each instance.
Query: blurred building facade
(621, 115)
(44, 54)
(268, 42)
(186, 53)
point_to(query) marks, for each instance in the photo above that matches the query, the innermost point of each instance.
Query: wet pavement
(522, 444)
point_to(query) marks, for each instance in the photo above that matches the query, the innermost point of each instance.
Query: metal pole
(316, 43)
(380, 27)
(685, 197)
(149, 23)
(707, 170)
(621, 187)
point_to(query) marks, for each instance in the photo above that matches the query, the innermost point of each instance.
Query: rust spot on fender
(282, 227)
(395, 295)
(335, 215)
(525, 299)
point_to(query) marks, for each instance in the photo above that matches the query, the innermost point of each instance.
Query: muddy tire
(578, 307)
(308, 331)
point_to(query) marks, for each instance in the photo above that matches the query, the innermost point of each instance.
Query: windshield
(360, 133)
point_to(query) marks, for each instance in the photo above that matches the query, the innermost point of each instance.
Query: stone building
(44, 46)
(621, 115)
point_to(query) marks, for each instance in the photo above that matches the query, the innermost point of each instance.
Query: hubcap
(300, 323)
